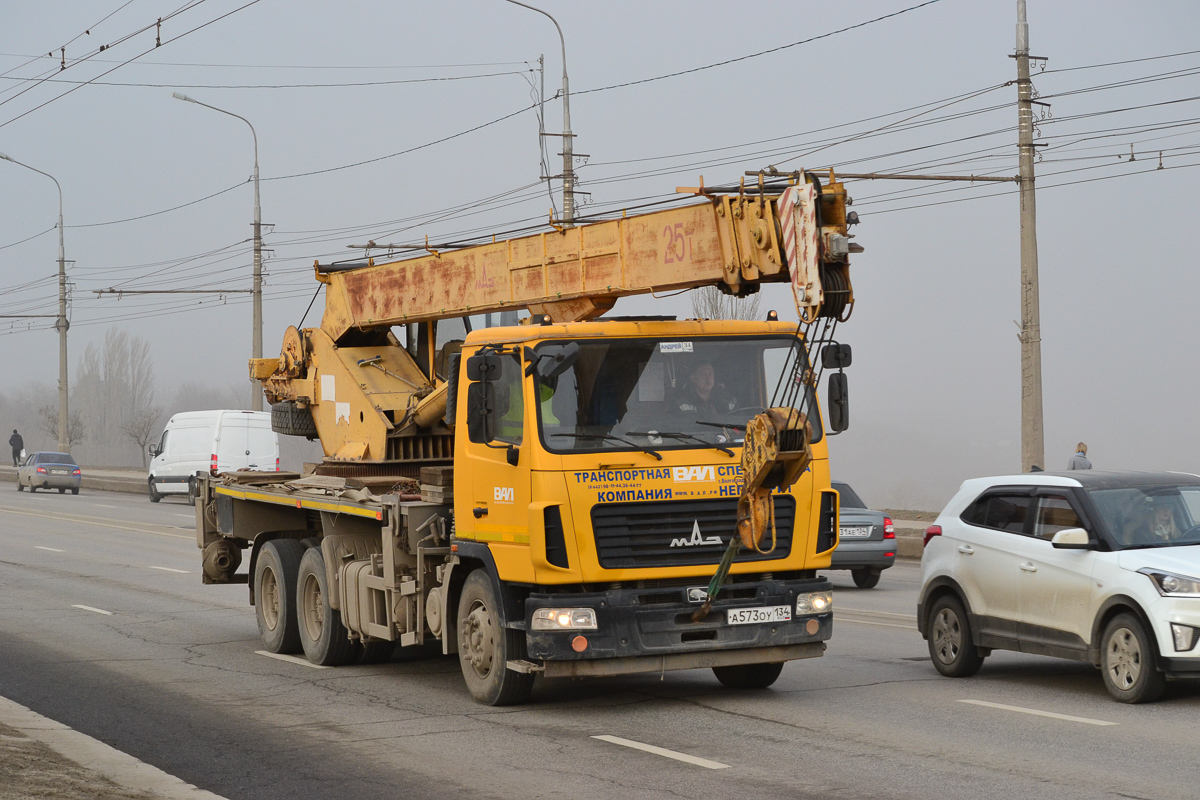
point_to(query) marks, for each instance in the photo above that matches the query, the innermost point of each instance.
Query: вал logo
(685, 474)
(503, 494)
(697, 539)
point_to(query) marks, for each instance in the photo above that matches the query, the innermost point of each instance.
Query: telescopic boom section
(574, 274)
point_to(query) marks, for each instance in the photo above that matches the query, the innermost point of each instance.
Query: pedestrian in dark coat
(17, 444)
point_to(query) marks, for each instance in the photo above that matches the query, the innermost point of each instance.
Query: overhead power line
(761, 52)
(276, 85)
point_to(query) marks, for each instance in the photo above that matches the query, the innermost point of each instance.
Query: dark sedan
(866, 539)
(49, 471)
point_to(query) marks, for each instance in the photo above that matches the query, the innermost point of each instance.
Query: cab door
(499, 474)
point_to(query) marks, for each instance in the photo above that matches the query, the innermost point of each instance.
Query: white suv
(1102, 567)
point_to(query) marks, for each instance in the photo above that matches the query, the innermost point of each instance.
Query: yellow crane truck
(546, 490)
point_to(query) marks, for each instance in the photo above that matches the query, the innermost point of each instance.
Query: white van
(195, 442)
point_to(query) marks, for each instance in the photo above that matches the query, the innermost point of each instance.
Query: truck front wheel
(748, 676)
(485, 647)
(275, 574)
(322, 634)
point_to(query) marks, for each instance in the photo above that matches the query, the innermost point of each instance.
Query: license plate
(854, 533)
(58, 472)
(750, 616)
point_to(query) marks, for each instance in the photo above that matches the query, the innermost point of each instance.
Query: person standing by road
(17, 444)
(1080, 459)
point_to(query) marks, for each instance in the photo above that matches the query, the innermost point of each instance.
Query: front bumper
(653, 626)
(1185, 611)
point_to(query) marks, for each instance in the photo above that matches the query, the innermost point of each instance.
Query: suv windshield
(1150, 516)
(631, 394)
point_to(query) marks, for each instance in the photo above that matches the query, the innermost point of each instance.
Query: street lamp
(568, 176)
(256, 401)
(61, 324)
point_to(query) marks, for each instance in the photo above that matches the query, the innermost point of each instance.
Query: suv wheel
(1127, 662)
(950, 644)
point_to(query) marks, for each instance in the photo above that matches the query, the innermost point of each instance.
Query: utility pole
(256, 395)
(61, 324)
(1032, 437)
(568, 152)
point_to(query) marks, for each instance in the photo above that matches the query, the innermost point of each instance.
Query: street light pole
(61, 324)
(568, 154)
(256, 400)
(1032, 437)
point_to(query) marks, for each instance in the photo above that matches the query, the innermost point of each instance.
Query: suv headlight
(564, 619)
(814, 603)
(1169, 584)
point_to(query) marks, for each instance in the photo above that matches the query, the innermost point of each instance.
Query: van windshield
(633, 394)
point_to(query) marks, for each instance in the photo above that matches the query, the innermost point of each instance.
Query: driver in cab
(703, 395)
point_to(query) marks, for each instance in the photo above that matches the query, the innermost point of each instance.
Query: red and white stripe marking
(798, 218)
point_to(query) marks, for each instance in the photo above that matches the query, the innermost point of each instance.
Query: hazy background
(936, 378)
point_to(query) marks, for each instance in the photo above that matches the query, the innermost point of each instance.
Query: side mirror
(484, 368)
(152, 451)
(481, 407)
(1072, 539)
(835, 356)
(839, 402)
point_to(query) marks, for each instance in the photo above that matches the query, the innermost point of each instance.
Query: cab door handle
(966, 549)
(1029, 567)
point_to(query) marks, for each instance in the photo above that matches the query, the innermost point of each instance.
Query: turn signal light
(212, 468)
(889, 529)
(77, 472)
(930, 532)
(42, 470)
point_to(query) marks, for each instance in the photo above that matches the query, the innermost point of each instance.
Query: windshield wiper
(686, 437)
(606, 436)
(731, 425)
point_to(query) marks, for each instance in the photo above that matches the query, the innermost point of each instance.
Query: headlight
(1171, 585)
(814, 603)
(564, 619)
(1185, 637)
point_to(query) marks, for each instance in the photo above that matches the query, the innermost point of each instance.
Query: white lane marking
(1036, 713)
(94, 610)
(172, 569)
(51, 549)
(186, 516)
(128, 527)
(664, 752)
(101, 505)
(120, 768)
(304, 662)
(836, 618)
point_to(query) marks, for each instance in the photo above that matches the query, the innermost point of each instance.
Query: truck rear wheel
(322, 634)
(748, 676)
(291, 420)
(275, 574)
(485, 647)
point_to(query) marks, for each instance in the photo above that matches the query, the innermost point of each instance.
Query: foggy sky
(935, 385)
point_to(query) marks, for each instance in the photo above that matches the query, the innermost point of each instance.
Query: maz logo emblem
(697, 539)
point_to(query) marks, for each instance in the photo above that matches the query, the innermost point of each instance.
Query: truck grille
(663, 534)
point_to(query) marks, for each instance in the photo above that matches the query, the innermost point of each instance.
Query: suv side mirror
(1072, 539)
(839, 402)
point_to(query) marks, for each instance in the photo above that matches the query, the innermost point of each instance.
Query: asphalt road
(170, 676)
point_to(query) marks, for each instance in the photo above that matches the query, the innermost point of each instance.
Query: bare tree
(48, 422)
(142, 427)
(709, 302)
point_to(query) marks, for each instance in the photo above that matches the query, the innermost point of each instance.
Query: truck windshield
(662, 394)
